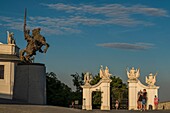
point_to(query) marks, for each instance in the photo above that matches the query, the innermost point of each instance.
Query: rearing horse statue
(39, 40)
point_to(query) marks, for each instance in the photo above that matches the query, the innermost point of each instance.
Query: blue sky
(84, 34)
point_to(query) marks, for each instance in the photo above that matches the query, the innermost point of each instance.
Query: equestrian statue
(34, 43)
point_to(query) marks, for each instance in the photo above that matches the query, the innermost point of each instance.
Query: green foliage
(119, 89)
(96, 98)
(57, 92)
(95, 80)
(77, 81)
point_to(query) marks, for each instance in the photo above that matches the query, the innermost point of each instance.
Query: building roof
(9, 57)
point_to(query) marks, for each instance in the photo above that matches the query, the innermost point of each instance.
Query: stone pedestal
(30, 83)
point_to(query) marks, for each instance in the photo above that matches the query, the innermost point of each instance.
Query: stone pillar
(132, 86)
(105, 89)
(87, 97)
(30, 83)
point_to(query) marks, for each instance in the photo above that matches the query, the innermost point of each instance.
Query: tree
(118, 88)
(77, 82)
(118, 92)
(95, 79)
(57, 92)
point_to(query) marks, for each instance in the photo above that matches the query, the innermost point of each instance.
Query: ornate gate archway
(103, 85)
(134, 86)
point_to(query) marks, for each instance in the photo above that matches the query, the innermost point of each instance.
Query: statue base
(30, 83)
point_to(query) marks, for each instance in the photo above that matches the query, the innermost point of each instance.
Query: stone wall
(8, 58)
(9, 49)
(164, 105)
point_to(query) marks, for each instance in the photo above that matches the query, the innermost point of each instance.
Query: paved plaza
(12, 108)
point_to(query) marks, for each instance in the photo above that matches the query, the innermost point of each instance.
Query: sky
(84, 34)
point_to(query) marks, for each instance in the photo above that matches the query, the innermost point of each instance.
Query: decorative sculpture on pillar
(10, 37)
(104, 74)
(34, 43)
(151, 79)
(133, 74)
(87, 78)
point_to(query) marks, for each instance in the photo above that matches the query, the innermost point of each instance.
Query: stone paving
(12, 108)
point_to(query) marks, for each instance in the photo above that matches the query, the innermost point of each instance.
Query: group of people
(142, 100)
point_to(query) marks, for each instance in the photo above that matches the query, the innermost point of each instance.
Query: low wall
(164, 105)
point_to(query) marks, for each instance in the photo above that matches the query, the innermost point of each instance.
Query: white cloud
(108, 14)
(111, 10)
(11, 23)
(128, 46)
(108, 9)
(141, 9)
(84, 15)
(47, 24)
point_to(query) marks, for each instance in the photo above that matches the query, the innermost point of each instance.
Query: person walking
(117, 104)
(140, 96)
(156, 101)
(72, 104)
